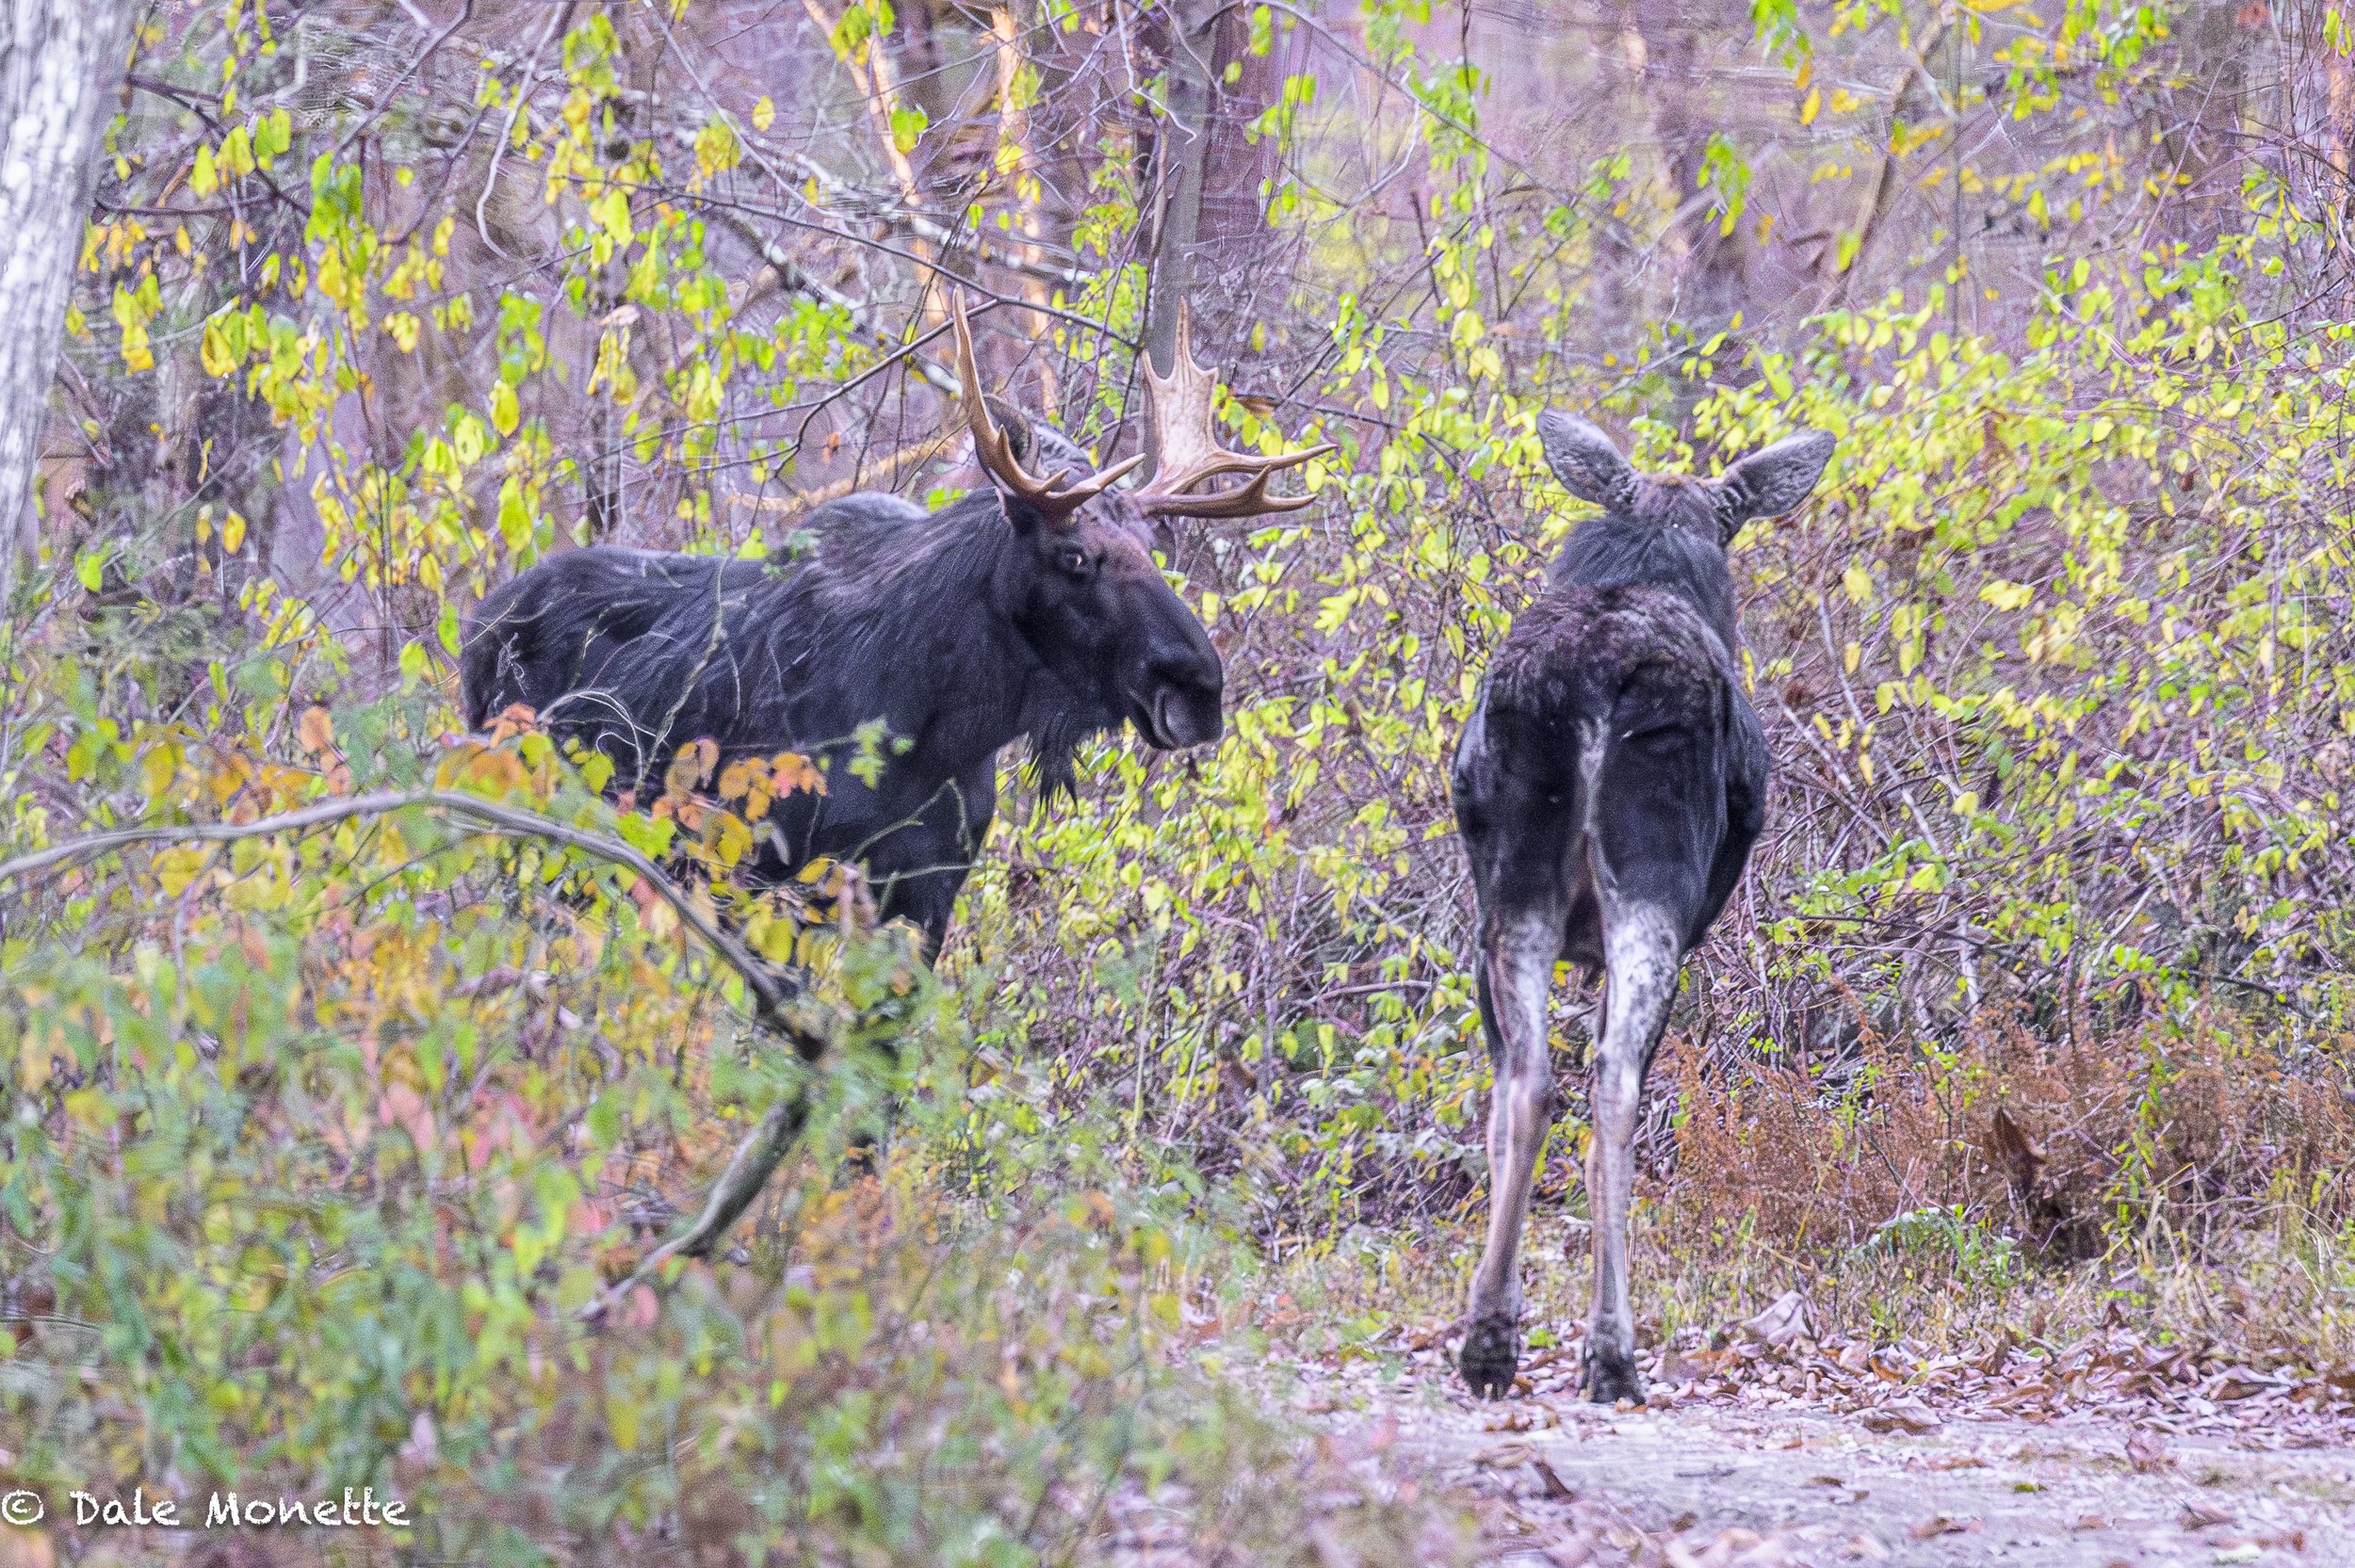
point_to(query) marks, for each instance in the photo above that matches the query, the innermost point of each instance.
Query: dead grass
(2206, 1126)
(2190, 1183)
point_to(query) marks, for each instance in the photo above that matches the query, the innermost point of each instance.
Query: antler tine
(994, 450)
(1191, 455)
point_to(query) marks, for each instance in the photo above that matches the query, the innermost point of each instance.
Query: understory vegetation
(352, 1063)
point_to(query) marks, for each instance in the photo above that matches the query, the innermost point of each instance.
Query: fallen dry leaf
(1910, 1415)
(1503, 1456)
(1954, 1462)
(1939, 1524)
(1555, 1487)
(2147, 1451)
(2200, 1516)
(1780, 1324)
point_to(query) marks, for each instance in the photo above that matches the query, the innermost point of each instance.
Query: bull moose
(1609, 786)
(1032, 608)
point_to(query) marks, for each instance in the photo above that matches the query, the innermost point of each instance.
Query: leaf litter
(2119, 1403)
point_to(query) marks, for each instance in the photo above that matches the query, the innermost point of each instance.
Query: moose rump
(1607, 770)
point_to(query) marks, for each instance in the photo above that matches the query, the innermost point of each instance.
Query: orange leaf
(316, 729)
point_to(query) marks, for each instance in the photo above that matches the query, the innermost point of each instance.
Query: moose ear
(1771, 481)
(1015, 421)
(1584, 460)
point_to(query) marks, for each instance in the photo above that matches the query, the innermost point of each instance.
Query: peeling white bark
(59, 63)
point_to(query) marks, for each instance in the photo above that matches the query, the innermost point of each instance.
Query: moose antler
(1190, 454)
(994, 451)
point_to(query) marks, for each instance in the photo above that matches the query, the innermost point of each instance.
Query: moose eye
(1073, 559)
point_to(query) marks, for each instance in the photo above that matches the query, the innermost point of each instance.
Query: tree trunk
(1712, 280)
(1211, 242)
(1182, 154)
(59, 62)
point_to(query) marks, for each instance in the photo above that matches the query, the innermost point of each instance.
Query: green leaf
(908, 125)
(514, 515)
(273, 134)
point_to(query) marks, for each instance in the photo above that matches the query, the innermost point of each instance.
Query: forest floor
(1761, 1446)
(1730, 1480)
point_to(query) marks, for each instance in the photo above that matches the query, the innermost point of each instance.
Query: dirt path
(1739, 1481)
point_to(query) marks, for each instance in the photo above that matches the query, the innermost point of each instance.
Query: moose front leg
(1517, 953)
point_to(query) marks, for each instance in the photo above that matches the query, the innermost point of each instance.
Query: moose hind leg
(1517, 952)
(1642, 954)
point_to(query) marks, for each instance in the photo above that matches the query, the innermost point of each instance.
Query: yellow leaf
(158, 767)
(620, 1420)
(177, 867)
(1858, 583)
(504, 414)
(1811, 107)
(32, 1064)
(690, 767)
(214, 351)
(233, 533)
(764, 114)
(731, 839)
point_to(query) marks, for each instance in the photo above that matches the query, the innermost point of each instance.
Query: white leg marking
(1520, 1107)
(1640, 951)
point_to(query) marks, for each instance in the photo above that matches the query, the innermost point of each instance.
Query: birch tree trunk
(59, 62)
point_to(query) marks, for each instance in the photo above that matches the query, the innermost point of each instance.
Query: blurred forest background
(327, 1107)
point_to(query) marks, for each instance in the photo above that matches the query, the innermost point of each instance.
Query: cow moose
(1609, 786)
(1030, 609)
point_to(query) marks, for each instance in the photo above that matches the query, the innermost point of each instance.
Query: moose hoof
(1612, 1378)
(1492, 1350)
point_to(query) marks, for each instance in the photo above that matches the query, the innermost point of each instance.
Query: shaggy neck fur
(1667, 539)
(919, 603)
